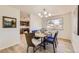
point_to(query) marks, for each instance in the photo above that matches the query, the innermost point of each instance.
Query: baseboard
(8, 46)
(64, 38)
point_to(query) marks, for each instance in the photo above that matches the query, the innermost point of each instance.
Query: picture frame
(9, 22)
(55, 23)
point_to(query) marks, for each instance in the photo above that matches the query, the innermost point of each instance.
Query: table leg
(44, 45)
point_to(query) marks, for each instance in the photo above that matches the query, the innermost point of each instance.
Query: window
(55, 23)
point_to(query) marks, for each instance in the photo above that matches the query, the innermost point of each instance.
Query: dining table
(42, 35)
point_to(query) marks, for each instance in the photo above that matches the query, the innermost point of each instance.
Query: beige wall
(66, 32)
(35, 22)
(75, 37)
(9, 36)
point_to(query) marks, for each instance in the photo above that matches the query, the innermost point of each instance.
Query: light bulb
(45, 12)
(49, 14)
(39, 14)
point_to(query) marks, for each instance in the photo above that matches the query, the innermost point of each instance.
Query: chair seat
(51, 40)
(50, 37)
(36, 41)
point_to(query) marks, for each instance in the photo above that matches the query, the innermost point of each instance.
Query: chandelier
(44, 13)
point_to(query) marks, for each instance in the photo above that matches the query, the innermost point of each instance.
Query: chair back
(55, 36)
(29, 37)
(34, 31)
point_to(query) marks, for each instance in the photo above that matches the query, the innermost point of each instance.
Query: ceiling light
(39, 14)
(49, 14)
(44, 13)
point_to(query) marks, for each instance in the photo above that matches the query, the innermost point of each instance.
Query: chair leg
(53, 48)
(27, 48)
(40, 48)
(33, 49)
(44, 46)
(56, 44)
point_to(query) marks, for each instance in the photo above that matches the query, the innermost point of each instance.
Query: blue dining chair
(53, 40)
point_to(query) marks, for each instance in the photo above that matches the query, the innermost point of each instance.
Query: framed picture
(9, 22)
(56, 24)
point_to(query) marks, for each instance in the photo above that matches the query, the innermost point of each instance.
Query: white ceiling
(54, 9)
